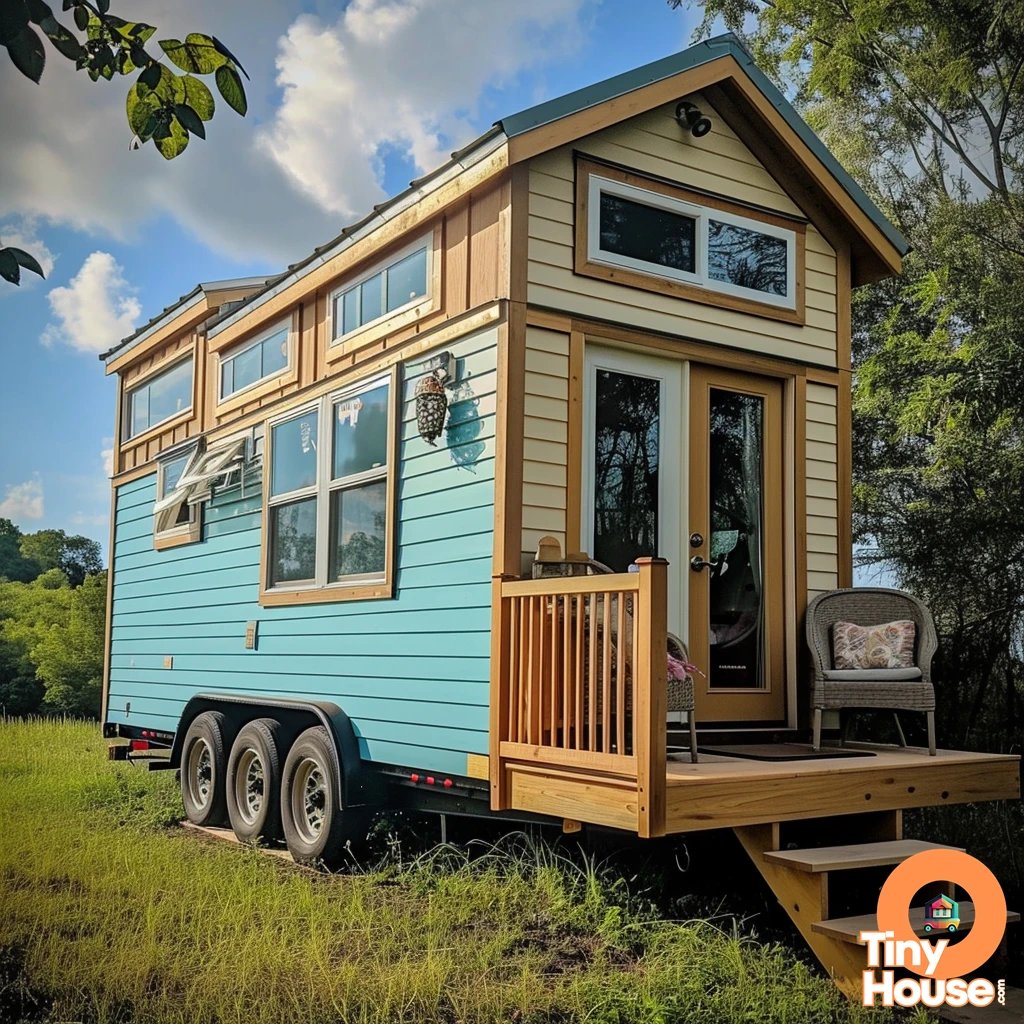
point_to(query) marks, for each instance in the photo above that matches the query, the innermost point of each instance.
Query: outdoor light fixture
(692, 120)
(431, 401)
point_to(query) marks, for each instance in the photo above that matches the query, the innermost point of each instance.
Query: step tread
(848, 929)
(854, 855)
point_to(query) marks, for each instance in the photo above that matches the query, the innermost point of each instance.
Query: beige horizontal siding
(652, 143)
(822, 491)
(546, 419)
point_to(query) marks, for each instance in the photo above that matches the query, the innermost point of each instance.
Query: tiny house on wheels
(615, 328)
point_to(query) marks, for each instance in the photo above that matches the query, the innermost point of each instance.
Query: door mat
(783, 752)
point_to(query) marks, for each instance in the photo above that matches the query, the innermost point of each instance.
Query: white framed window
(266, 355)
(657, 234)
(174, 519)
(385, 290)
(159, 398)
(329, 495)
(185, 478)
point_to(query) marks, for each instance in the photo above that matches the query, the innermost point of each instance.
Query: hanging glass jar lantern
(431, 407)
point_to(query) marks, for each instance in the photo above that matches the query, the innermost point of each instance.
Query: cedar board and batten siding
(471, 275)
(412, 672)
(653, 143)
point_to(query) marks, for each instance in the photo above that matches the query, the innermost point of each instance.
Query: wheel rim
(200, 773)
(250, 786)
(309, 799)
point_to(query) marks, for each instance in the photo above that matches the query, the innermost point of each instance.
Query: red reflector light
(414, 777)
(140, 744)
(447, 783)
(430, 780)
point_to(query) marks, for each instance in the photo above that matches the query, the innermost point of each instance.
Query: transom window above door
(654, 235)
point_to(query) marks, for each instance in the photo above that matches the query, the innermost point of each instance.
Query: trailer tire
(203, 767)
(316, 825)
(253, 782)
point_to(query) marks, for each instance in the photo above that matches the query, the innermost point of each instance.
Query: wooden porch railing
(578, 680)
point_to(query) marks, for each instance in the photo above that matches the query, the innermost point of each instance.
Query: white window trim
(324, 487)
(190, 453)
(598, 185)
(130, 392)
(336, 323)
(234, 353)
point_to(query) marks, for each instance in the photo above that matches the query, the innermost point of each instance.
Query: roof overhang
(190, 309)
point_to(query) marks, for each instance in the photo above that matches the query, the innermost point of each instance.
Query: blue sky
(347, 103)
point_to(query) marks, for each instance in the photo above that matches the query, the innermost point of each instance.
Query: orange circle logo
(950, 866)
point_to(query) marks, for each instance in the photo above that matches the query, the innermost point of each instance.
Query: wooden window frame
(162, 367)
(265, 385)
(185, 533)
(412, 311)
(590, 262)
(320, 589)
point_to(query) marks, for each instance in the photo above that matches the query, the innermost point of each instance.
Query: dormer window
(160, 398)
(651, 234)
(254, 361)
(392, 293)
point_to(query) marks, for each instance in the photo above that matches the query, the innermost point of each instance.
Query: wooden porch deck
(726, 792)
(578, 713)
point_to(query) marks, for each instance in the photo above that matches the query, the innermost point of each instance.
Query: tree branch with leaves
(164, 106)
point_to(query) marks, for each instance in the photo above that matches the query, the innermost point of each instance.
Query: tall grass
(110, 913)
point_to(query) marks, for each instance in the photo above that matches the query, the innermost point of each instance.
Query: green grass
(112, 913)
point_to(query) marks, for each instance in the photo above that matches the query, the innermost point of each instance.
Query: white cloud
(96, 309)
(107, 457)
(405, 74)
(23, 501)
(386, 76)
(22, 232)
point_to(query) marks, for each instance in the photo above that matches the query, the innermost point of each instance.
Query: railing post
(500, 658)
(650, 696)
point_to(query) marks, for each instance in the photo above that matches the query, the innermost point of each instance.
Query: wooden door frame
(771, 704)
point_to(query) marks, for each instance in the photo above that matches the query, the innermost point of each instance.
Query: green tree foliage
(51, 644)
(924, 103)
(77, 557)
(164, 106)
(13, 565)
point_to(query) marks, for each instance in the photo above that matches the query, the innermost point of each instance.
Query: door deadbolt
(696, 540)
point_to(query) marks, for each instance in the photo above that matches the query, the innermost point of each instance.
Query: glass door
(735, 548)
(631, 462)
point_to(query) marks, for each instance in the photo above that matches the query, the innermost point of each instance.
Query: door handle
(718, 566)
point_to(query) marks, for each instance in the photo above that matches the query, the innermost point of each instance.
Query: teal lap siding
(412, 672)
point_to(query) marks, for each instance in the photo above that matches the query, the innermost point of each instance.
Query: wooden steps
(800, 879)
(848, 929)
(853, 856)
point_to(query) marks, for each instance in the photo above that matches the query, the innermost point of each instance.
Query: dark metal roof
(724, 45)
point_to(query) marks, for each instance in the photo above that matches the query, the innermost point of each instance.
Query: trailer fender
(359, 785)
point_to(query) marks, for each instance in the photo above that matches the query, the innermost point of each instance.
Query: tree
(162, 105)
(13, 565)
(77, 556)
(51, 644)
(924, 103)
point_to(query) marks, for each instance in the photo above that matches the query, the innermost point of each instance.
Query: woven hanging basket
(431, 407)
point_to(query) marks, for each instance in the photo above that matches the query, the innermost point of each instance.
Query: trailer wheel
(254, 782)
(203, 766)
(316, 826)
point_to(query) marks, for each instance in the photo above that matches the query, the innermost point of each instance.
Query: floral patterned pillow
(889, 645)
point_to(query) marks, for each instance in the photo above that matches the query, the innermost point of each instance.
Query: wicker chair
(680, 692)
(871, 688)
